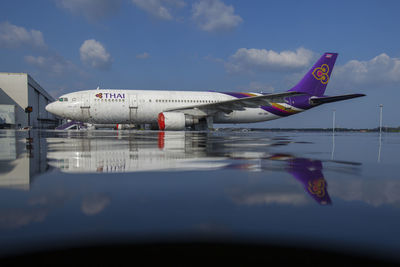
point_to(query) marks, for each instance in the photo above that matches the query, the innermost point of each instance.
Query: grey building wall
(13, 91)
(22, 90)
(23, 156)
(7, 114)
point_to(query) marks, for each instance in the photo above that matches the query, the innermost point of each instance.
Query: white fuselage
(143, 106)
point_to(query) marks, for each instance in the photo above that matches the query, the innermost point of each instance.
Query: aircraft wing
(235, 104)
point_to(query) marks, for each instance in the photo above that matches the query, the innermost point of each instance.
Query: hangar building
(23, 102)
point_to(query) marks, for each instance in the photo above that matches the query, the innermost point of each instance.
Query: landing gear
(204, 124)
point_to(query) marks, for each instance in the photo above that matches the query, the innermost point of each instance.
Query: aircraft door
(133, 106)
(85, 107)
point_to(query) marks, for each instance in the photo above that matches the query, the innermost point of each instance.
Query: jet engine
(175, 121)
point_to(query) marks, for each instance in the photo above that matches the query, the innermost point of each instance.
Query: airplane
(178, 110)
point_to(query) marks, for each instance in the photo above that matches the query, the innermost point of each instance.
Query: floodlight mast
(380, 118)
(333, 121)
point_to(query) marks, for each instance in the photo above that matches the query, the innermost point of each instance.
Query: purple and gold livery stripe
(276, 111)
(241, 95)
(275, 108)
(281, 108)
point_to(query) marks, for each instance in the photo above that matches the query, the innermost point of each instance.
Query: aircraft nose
(52, 108)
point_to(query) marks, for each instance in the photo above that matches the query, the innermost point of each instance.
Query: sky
(202, 45)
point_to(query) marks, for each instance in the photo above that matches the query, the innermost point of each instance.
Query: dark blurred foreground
(191, 254)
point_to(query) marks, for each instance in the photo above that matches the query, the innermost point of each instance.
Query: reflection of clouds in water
(95, 204)
(36, 210)
(252, 196)
(296, 199)
(53, 199)
(372, 192)
(17, 218)
(38, 200)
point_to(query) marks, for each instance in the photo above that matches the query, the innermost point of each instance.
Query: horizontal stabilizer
(329, 99)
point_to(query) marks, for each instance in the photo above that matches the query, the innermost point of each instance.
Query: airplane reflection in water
(180, 151)
(307, 171)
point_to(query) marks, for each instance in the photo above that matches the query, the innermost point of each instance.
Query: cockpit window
(63, 99)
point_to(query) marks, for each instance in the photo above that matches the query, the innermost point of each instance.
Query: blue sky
(70, 45)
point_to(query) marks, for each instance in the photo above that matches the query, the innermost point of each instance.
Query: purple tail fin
(317, 78)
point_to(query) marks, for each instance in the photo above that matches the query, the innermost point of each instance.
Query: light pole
(380, 132)
(380, 118)
(333, 121)
(333, 133)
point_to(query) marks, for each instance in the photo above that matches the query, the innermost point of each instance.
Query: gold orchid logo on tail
(317, 187)
(321, 74)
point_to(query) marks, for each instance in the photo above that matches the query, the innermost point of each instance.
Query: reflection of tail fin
(309, 173)
(315, 81)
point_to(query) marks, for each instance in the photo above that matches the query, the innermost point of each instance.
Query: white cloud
(91, 9)
(256, 87)
(260, 87)
(53, 64)
(214, 15)
(143, 55)
(95, 55)
(249, 60)
(15, 36)
(382, 70)
(159, 8)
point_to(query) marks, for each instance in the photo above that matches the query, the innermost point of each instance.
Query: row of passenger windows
(65, 99)
(158, 101)
(184, 101)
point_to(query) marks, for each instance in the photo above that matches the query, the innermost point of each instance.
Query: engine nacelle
(174, 121)
(171, 121)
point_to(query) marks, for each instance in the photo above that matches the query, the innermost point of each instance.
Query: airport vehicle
(177, 110)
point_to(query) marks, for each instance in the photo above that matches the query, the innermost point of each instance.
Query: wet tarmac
(316, 190)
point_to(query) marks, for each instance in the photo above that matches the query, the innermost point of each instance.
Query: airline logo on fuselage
(321, 73)
(110, 96)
